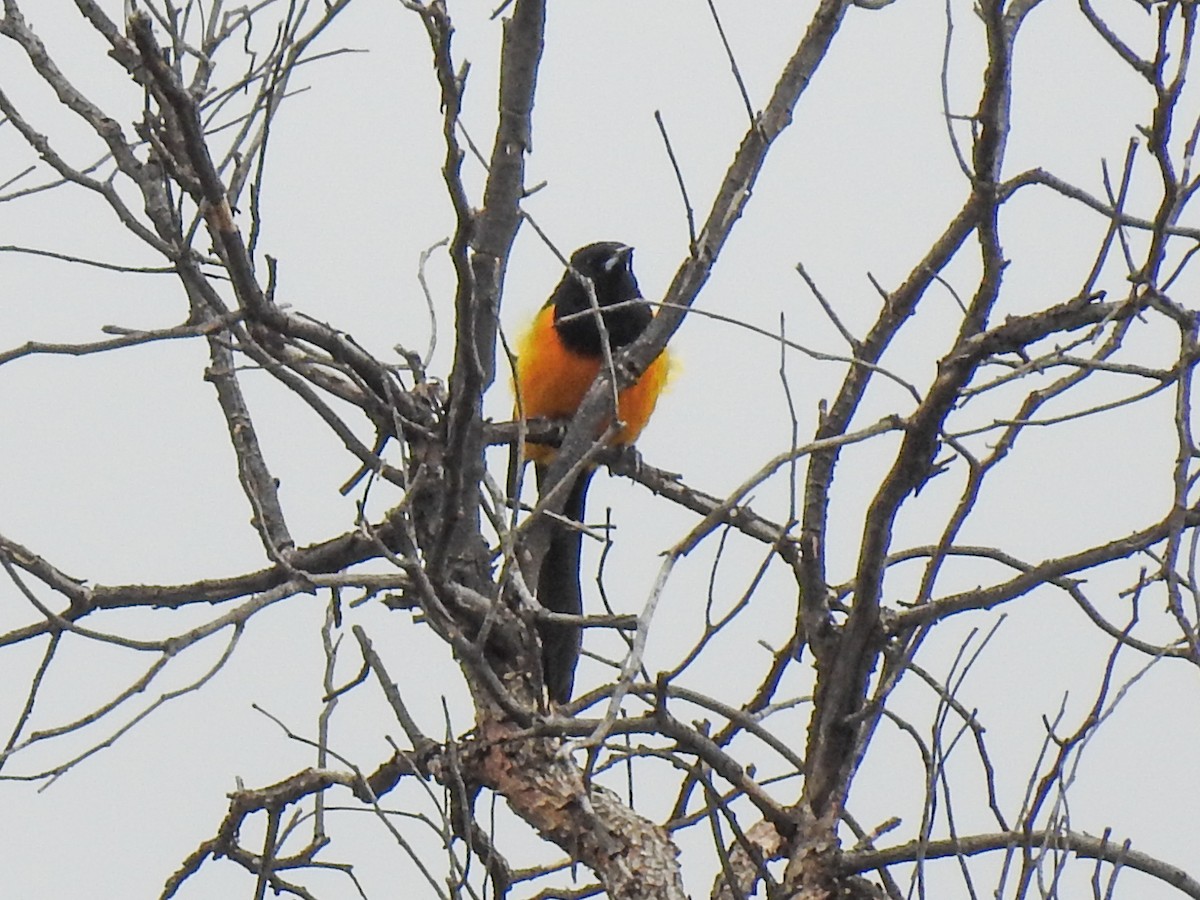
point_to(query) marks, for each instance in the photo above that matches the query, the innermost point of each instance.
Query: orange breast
(552, 380)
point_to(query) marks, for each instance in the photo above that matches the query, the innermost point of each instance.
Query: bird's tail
(558, 590)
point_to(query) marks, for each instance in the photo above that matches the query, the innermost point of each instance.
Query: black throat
(625, 313)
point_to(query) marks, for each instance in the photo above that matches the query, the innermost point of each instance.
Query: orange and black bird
(558, 359)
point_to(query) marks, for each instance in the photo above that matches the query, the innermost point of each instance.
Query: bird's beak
(622, 257)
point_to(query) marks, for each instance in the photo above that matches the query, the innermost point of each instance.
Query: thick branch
(726, 209)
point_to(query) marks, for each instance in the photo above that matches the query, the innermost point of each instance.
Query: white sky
(117, 468)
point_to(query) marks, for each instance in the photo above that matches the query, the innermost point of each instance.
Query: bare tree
(905, 463)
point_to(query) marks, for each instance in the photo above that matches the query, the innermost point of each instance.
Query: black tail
(558, 590)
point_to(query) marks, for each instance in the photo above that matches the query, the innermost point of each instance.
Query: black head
(609, 267)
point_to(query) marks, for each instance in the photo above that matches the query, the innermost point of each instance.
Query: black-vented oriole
(558, 359)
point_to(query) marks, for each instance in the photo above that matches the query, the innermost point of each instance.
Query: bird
(558, 358)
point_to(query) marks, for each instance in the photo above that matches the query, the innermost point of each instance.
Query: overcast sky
(117, 468)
